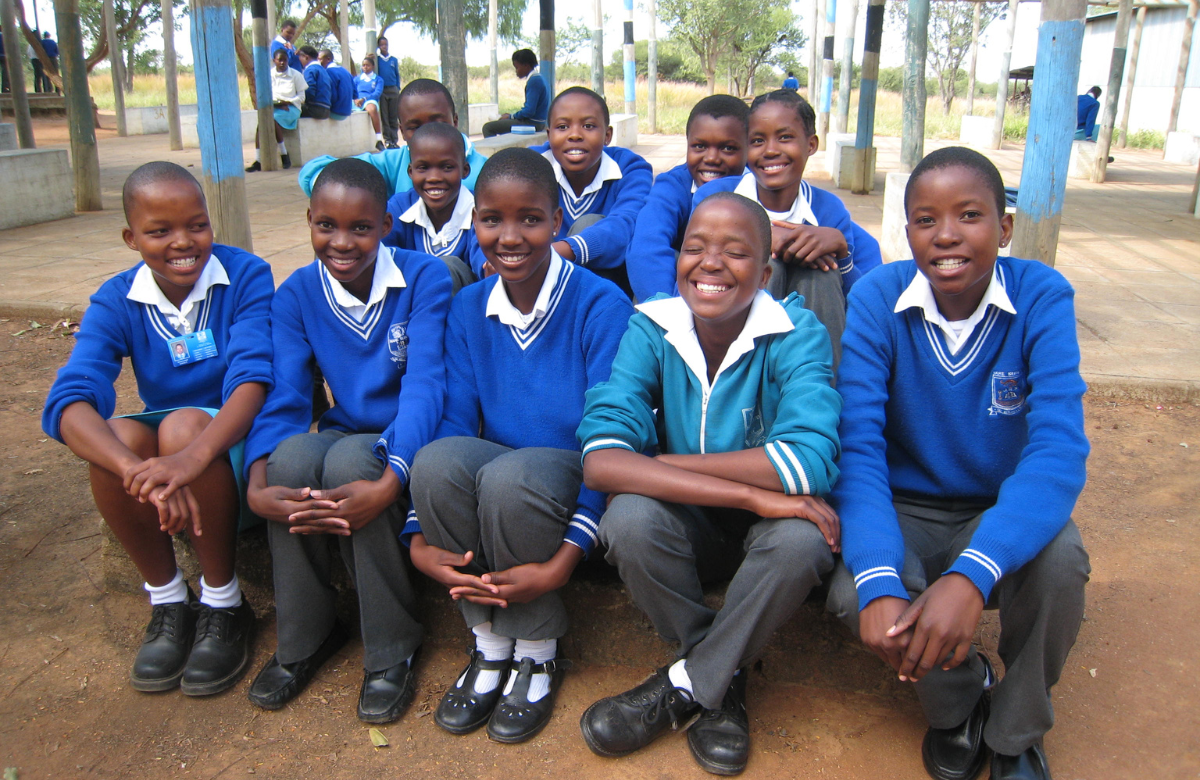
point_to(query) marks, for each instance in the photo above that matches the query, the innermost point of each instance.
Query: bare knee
(140, 438)
(180, 428)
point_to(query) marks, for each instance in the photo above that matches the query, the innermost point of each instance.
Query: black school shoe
(516, 718)
(165, 646)
(1030, 765)
(254, 167)
(277, 684)
(720, 739)
(286, 160)
(621, 724)
(221, 653)
(461, 709)
(959, 753)
(386, 694)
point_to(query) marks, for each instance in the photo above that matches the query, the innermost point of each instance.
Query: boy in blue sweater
(717, 131)
(372, 319)
(733, 390)
(320, 88)
(194, 319)
(501, 516)
(341, 82)
(389, 100)
(434, 217)
(602, 189)
(964, 453)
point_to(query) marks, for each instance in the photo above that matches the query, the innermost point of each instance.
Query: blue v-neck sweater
(410, 235)
(999, 423)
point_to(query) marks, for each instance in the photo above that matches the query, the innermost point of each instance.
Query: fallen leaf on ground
(377, 738)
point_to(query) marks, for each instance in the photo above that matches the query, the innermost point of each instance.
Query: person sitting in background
(791, 82)
(1086, 111)
(537, 97)
(341, 99)
(320, 86)
(287, 93)
(368, 89)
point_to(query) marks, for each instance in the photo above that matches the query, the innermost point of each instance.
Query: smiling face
(515, 224)
(716, 148)
(417, 110)
(437, 170)
(722, 266)
(170, 229)
(955, 231)
(779, 150)
(347, 224)
(578, 135)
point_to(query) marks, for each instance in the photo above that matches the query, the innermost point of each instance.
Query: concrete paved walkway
(1128, 246)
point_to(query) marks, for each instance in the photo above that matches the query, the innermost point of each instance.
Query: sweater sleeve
(249, 345)
(603, 244)
(1037, 499)
(650, 259)
(300, 85)
(423, 389)
(620, 412)
(872, 545)
(866, 257)
(535, 86)
(461, 416)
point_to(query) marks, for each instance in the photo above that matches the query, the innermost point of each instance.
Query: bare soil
(1127, 704)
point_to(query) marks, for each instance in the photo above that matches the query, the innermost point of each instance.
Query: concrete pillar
(597, 47)
(172, 76)
(1185, 54)
(842, 120)
(630, 63)
(494, 62)
(1132, 75)
(14, 45)
(546, 43)
(1115, 71)
(268, 146)
(827, 72)
(1010, 32)
(912, 129)
(85, 159)
(116, 64)
(652, 68)
(863, 180)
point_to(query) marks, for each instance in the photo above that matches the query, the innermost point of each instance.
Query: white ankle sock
(173, 592)
(541, 651)
(224, 597)
(258, 155)
(494, 648)
(679, 676)
(282, 148)
(379, 136)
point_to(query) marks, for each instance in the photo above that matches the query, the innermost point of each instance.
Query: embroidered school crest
(398, 344)
(1008, 393)
(756, 432)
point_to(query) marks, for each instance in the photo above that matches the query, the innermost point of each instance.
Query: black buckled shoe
(516, 718)
(386, 694)
(720, 739)
(286, 161)
(221, 652)
(461, 709)
(277, 684)
(1030, 765)
(621, 724)
(959, 753)
(165, 646)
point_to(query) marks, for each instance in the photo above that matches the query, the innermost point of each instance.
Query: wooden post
(842, 120)
(1052, 119)
(598, 47)
(494, 64)
(1195, 205)
(218, 123)
(814, 35)
(970, 109)
(1132, 75)
(912, 129)
(1010, 32)
(630, 62)
(344, 31)
(1115, 71)
(652, 68)
(172, 77)
(452, 42)
(14, 45)
(115, 62)
(546, 43)
(84, 158)
(370, 24)
(827, 73)
(268, 146)
(864, 140)
(1185, 54)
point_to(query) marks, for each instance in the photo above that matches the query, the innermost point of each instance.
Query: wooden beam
(494, 62)
(630, 62)
(115, 64)
(174, 131)
(1010, 32)
(652, 67)
(452, 41)
(814, 34)
(1115, 71)
(1132, 75)
(1185, 53)
(826, 72)
(261, 32)
(546, 43)
(597, 47)
(85, 160)
(975, 12)
(864, 140)
(842, 120)
(912, 128)
(15, 63)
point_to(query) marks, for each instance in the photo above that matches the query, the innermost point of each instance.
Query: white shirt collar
(284, 41)
(460, 218)
(608, 171)
(767, 317)
(537, 71)
(386, 276)
(145, 290)
(919, 294)
(500, 307)
(801, 211)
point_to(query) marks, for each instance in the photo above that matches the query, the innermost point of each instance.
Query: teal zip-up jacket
(773, 390)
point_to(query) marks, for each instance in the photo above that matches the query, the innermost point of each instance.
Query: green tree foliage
(674, 64)
(422, 14)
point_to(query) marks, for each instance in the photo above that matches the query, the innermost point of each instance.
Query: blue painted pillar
(863, 179)
(827, 72)
(262, 86)
(218, 121)
(630, 63)
(1052, 119)
(546, 43)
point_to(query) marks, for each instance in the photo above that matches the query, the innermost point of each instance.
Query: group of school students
(778, 410)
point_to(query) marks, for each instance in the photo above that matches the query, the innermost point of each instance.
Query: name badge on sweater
(192, 348)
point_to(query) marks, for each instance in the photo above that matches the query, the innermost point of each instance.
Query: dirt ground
(1127, 704)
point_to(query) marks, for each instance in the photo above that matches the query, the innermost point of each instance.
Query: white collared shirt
(386, 276)
(801, 212)
(460, 219)
(919, 294)
(500, 307)
(767, 317)
(183, 319)
(608, 171)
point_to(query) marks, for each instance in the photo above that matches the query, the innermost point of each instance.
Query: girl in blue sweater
(368, 87)
(501, 516)
(964, 455)
(193, 318)
(733, 390)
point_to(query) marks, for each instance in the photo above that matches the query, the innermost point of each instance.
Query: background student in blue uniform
(501, 516)
(320, 88)
(372, 319)
(389, 102)
(286, 41)
(537, 97)
(287, 94)
(368, 88)
(341, 82)
(602, 187)
(964, 454)
(176, 467)
(733, 391)
(716, 131)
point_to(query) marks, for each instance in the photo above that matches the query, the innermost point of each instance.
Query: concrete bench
(191, 138)
(335, 137)
(976, 131)
(1182, 147)
(480, 113)
(835, 144)
(489, 146)
(49, 105)
(39, 186)
(150, 120)
(625, 130)
(1083, 160)
(8, 137)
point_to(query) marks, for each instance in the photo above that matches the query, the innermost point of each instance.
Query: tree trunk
(129, 57)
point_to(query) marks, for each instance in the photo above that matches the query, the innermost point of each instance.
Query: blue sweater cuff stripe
(581, 249)
(586, 522)
(977, 572)
(878, 586)
(606, 444)
(878, 571)
(584, 540)
(984, 561)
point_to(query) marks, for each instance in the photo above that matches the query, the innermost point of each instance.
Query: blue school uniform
(232, 299)
(389, 69)
(320, 87)
(341, 99)
(412, 229)
(382, 359)
(368, 87)
(537, 99)
(523, 385)
(393, 164)
(293, 57)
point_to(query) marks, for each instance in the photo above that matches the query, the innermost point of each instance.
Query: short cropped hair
(286, 23)
(1095, 91)
(582, 91)
(428, 87)
(442, 131)
(308, 51)
(525, 57)
(520, 164)
(793, 100)
(960, 157)
(154, 173)
(719, 107)
(323, 52)
(354, 174)
(759, 222)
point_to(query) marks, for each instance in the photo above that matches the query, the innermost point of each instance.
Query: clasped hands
(339, 511)
(807, 245)
(518, 585)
